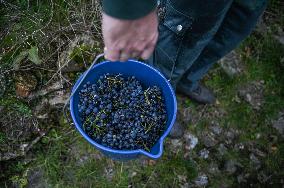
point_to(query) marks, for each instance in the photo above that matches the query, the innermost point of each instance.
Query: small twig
(150, 177)
(146, 96)
(149, 128)
(145, 147)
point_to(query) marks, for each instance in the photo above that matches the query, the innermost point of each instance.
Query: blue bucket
(148, 76)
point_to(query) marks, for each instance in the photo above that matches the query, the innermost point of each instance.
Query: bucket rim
(131, 152)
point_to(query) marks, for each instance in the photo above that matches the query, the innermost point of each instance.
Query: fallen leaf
(33, 55)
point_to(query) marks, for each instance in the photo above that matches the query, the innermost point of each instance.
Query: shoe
(200, 95)
(177, 130)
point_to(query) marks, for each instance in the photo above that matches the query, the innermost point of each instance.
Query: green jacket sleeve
(128, 9)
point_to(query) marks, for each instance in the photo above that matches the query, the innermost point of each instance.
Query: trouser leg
(186, 29)
(236, 26)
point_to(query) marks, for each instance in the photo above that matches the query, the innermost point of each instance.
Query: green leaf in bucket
(33, 55)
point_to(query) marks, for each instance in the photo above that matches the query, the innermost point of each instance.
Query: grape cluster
(118, 113)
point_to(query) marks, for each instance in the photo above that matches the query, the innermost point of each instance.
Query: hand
(126, 39)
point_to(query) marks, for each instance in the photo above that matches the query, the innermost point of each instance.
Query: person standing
(191, 35)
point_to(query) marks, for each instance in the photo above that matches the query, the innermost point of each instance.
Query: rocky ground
(237, 142)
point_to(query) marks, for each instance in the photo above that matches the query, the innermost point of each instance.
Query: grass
(64, 165)
(264, 63)
(67, 160)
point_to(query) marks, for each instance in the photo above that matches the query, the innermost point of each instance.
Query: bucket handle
(171, 60)
(72, 93)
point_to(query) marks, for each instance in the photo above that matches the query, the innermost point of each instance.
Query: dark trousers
(193, 35)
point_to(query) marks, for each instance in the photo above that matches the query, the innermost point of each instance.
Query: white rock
(201, 181)
(191, 141)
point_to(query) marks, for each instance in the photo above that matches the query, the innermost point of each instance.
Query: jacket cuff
(128, 9)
